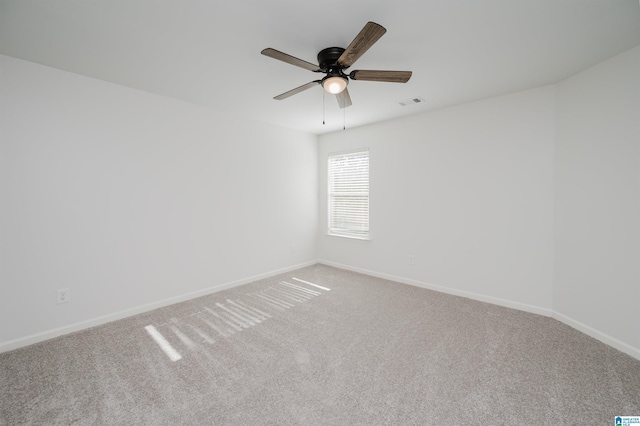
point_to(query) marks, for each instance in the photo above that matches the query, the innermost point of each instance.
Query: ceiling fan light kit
(332, 61)
(334, 85)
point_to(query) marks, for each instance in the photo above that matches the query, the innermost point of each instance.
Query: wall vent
(411, 101)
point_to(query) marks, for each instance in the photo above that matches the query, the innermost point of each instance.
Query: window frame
(350, 231)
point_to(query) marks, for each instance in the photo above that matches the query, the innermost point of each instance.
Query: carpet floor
(321, 346)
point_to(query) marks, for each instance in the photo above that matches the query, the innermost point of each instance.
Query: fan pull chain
(323, 101)
(344, 118)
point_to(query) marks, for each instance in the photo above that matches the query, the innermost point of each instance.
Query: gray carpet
(281, 351)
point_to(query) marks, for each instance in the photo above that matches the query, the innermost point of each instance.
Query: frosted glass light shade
(334, 85)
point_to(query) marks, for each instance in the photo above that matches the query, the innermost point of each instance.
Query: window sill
(349, 237)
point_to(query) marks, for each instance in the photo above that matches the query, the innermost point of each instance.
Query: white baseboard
(603, 337)
(469, 295)
(589, 331)
(49, 334)
(82, 325)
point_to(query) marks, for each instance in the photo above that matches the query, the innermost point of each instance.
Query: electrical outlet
(63, 295)
(293, 249)
(412, 260)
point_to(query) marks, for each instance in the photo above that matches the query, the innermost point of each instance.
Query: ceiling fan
(332, 61)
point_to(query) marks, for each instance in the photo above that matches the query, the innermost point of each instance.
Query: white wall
(467, 191)
(129, 198)
(529, 200)
(597, 201)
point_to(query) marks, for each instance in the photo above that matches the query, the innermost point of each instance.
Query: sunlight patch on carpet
(163, 343)
(197, 330)
(315, 285)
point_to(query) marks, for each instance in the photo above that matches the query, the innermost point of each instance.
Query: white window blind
(348, 194)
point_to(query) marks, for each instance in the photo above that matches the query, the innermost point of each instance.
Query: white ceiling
(208, 52)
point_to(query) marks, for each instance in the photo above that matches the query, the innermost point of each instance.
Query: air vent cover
(411, 101)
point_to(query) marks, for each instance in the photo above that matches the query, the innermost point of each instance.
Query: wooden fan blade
(363, 41)
(344, 100)
(297, 90)
(388, 76)
(276, 54)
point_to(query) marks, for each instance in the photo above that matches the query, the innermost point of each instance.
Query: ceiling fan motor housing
(328, 63)
(328, 60)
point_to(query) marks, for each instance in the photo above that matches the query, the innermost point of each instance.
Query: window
(348, 194)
